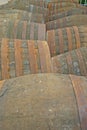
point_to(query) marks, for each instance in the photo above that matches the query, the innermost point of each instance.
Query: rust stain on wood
(78, 85)
(4, 59)
(77, 36)
(69, 36)
(18, 57)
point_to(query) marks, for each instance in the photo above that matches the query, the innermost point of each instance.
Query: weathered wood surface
(53, 6)
(59, 10)
(12, 3)
(71, 11)
(73, 62)
(25, 6)
(13, 14)
(43, 102)
(17, 29)
(66, 39)
(67, 21)
(19, 58)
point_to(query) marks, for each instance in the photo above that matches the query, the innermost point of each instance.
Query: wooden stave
(23, 16)
(12, 3)
(66, 39)
(73, 62)
(21, 57)
(30, 8)
(69, 12)
(67, 22)
(60, 10)
(55, 6)
(15, 28)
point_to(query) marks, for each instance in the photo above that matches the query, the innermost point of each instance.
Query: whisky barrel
(66, 39)
(67, 8)
(20, 57)
(71, 11)
(56, 5)
(38, 9)
(24, 6)
(73, 62)
(59, 10)
(17, 29)
(41, 3)
(67, 21)
(21, 15)
(43, 102)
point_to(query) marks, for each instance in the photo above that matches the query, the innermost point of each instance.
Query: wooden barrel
(72, 11)
(38, 9)
(17, 29)
(67, 21)
(24, 6)
(59, 10)
(21, 15)
(20, 57)
(66, 39)
(73, 62)
(61, 4)
(41, 3)
(43, 102)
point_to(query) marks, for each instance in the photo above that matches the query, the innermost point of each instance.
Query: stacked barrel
(66, 36)
(23, 39)
(43, 65)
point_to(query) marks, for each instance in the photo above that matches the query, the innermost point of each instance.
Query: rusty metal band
(31, 31)
(77, 36)
(4, 59)
(51, 42)
(69, 36)
(42, 56)
(47, 56)
(81, 62)
(18, 57)
(61, 42)
(15, 29)
(70, 63)
(24, 30)
(32, 57)
(78, 85)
